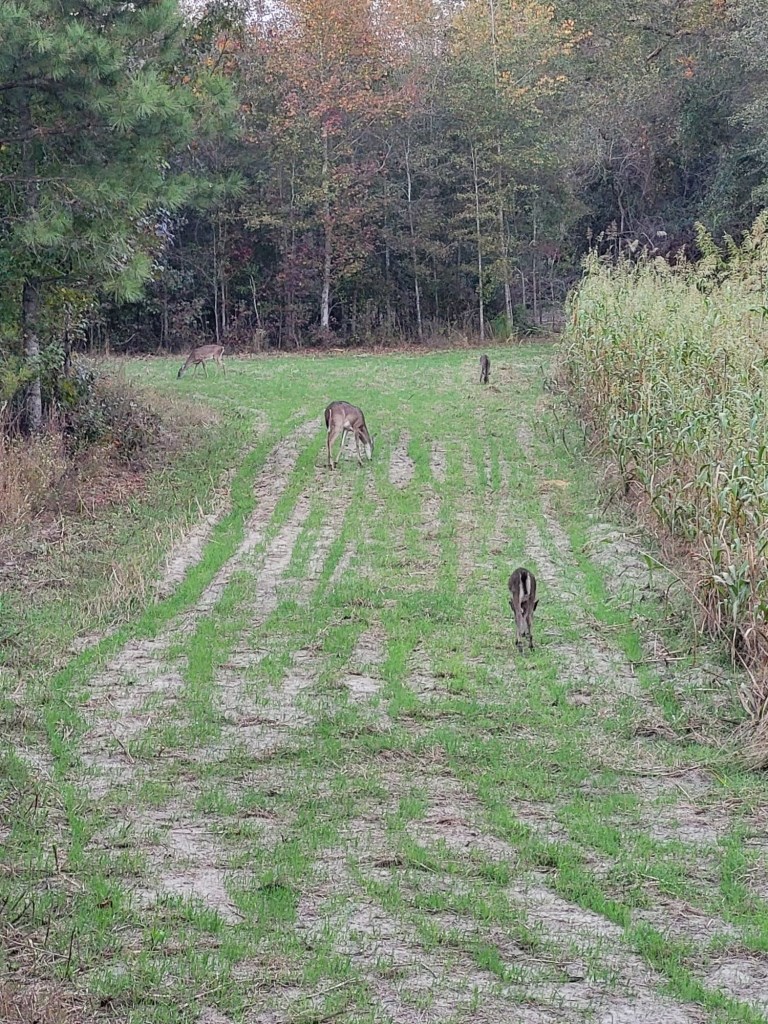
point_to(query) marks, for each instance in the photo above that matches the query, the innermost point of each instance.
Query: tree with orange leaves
(339, 72)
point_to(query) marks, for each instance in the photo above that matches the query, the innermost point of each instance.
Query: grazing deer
(199, 356)
(485, 369)
(343, 418)
(522, 601)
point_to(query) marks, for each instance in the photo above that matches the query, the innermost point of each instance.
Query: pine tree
(92, 110)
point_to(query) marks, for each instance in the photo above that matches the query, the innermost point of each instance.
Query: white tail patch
(522, 599)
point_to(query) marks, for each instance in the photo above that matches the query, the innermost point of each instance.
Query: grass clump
(669, 367)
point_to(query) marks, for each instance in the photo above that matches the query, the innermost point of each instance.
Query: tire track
(139, 682)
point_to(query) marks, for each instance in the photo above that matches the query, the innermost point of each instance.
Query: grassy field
(316, 782)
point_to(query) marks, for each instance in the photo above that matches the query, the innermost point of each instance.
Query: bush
(87, 405)
(100, 408)
(15, 375)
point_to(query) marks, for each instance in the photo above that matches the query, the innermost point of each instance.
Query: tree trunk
(164, 332)
(534, 271)
(387, 256)
(30, 308)
(224, 312)
(30, 294)
(215, 255)
(503, 247)
(325, 300)
(478, 226)
(417, 291)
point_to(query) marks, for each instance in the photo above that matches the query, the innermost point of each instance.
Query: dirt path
(332, 790)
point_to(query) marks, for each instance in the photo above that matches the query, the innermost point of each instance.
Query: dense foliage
(92, 108)
(670, 367)
(289, 172)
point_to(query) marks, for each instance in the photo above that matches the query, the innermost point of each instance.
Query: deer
(485, 369)
(522, 601)
(199, 357)
(343, 418)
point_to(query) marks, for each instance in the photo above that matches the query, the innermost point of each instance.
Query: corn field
(669, 367)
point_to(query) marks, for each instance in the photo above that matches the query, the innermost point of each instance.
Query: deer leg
(333, 433)
(205, 368)
(344, 440)
(519, 626)
(357, 446)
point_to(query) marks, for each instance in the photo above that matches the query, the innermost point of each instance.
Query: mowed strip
(352, 799)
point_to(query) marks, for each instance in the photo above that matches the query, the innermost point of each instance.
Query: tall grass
(29, 469)
(669, 366)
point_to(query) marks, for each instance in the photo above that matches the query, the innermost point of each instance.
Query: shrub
(84, 408)
(102, 408)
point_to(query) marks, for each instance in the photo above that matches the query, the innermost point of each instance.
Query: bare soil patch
(270, 484)
(344, 563)
(401, 467)
(638, 999)
(466, 520)
(188, 862)
(501, 528)
(421, 679)
(544, 565)
(430, 524)
(43, 1002)
(210, 1015)
(679, 920)
(141, 669)
(438, 461)
(188, 549)
(452, 818)
(620, 553)
(742, 977)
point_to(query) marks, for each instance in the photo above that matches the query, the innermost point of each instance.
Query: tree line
(302, 172)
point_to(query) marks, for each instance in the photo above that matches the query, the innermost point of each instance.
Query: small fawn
(343, 418)
(522, 601)
(485, 369)
(199, 357)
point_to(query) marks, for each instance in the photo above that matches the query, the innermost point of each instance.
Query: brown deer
(485, 369)
(199, 356)
(343, 418)
(522, 601)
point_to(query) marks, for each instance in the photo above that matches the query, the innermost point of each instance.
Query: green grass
(295, 824)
